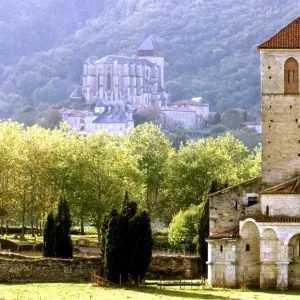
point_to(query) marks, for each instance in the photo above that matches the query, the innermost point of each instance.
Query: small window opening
(221, 248)
(298, 141)
(270, 106)
(270, 77)
(296, 120)
(267, 210)
(271, 121)
(269, 126)
(247, 247)
(236, 205)
(252, 200)
(269, 67)
(298, 154)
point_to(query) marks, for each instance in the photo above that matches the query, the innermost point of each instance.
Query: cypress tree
(104, 227)
(49, 236)
(63, 245)
(140, 237)
(113, 252)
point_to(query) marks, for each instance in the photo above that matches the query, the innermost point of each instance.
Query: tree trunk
(81, 225)
(32, 227)
(23, 226)
(6, 224)
(2, 229)
(37, 226)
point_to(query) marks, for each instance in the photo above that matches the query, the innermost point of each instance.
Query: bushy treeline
(210, 47)
(38, 166)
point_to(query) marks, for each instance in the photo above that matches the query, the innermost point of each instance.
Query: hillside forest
(210, 47)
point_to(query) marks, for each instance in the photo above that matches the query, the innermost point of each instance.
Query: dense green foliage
(38, 166)
(63, 242)
(128, 243)
(49, 236)
(209, 45)
(183, 229)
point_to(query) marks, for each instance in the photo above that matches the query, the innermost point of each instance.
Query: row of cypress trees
(126, 243)
(57, 239)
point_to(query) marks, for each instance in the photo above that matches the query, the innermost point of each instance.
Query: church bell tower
(280, 57)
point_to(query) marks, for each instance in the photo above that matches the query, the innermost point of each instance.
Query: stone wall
(20, 269)
(169, 266)
(226, 207)
(17, 268)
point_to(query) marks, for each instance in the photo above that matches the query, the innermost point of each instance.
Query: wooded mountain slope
(210, 45)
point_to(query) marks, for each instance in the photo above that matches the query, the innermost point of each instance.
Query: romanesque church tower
(280, 57)
(254, 227)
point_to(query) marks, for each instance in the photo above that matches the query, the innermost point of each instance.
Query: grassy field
(87, 291)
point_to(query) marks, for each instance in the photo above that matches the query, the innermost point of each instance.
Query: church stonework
(254, 227)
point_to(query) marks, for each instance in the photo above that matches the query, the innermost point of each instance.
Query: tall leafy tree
(151, 150)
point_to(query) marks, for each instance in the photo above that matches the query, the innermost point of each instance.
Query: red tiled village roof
(286, 38)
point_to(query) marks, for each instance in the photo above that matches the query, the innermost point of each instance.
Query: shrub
(183, 229)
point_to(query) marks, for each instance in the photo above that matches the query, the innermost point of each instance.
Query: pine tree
(63, 245)
(49, 236)
(140, 237)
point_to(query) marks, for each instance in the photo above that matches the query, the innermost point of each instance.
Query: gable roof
(289, 187)
(286, 38)
(76, 94)
(150, 44)
(112, 114)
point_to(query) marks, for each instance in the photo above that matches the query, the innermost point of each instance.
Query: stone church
(254, 227)
(136, 81)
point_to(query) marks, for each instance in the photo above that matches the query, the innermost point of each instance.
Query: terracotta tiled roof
(286, 38)
(260, 218)
(231, 233)
(288, 187)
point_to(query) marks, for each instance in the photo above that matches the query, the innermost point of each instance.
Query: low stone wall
(171, 266)
(18, 268)
(21, 269)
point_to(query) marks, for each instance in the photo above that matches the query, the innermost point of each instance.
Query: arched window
(108, 82)
(267, 210)
(291, 76)
(221, 248)
(247, 247)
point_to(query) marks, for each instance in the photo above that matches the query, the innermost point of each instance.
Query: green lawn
(87, 291)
